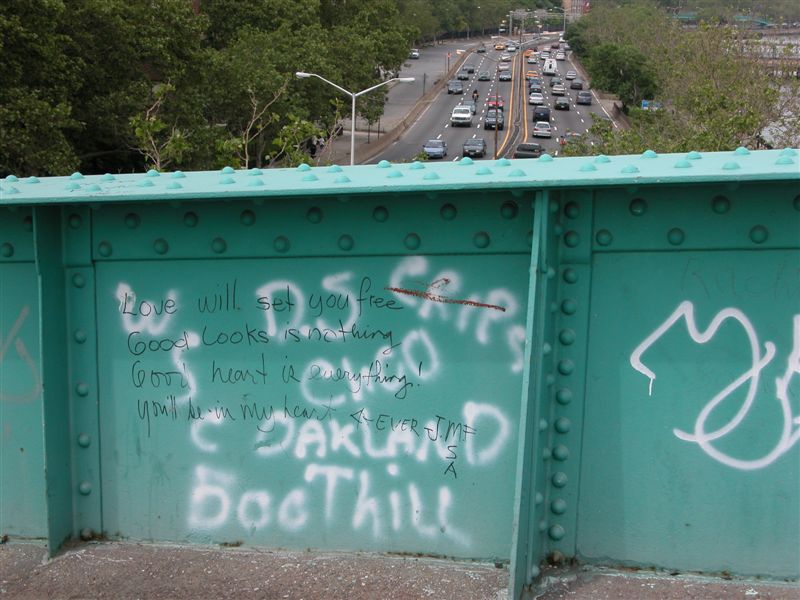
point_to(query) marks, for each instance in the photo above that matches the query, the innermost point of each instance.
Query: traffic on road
(505, 94)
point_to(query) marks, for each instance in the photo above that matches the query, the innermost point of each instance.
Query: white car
(505, 58)
(502, 67)
(544, 55)
(536, 98)
(462, 115)
(511, 48)
(533, 60)
(570, 75)
(558, 90)
(561, 56)
(542, 129)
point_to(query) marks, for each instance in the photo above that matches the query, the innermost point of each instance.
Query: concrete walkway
(121, 571)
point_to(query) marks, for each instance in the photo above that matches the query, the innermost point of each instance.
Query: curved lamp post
(353, 96)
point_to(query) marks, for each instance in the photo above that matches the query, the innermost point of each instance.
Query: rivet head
(784, 160)
(509, 210)
(516, 173)
(72, 186)
(416, 165)
(7, 250)
(759, 234)
(720, 205)
(341, 179)
(219, 245)
(694, 155)
(314, 214)
(559, 479)
(12, 179)
(566, 366)
(82, 389)
(637, 207)
(226, 181)
(545, 158)
(538, 498)
(629, 169)
(431, 175)
(542, 525)
(132, 220)
(85, 488)
(178, 175)
(384, 164)
(741, 151)
(572, 210)
(448, 212)
(346, 242)
(87, 534)
(78, 280)
(683, 164)
(466, 161)
(281, 244)
(560, 452)
(675, 236)
(534, 572)
(569, 306)
(604, 237)
(730, 166)
(104, 249)
(84, 440)
(570, 276)
(107, 177)
(394, 174)
(228, 171)
(562, 425)
(412, 241)
(572, 239)
(567, 337)
(79, 336)
(556, 532)
(649, 154)
(587, 167)
(602, 158)
(558, 506)
(303, 167)
(542, 424)
(153, 173)
(380, 214)
(75, 221)
(481, 239)
(190, 219)
(255, 182)
(248, 217)
(546, 348)
(483, 171)
(564, 396)
(161, 246)
(145, 183)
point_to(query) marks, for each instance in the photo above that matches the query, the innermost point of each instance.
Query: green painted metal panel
(22, 483)
(691, 432)
(368, 403)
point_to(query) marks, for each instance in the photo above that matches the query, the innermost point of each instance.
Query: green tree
(622, 70)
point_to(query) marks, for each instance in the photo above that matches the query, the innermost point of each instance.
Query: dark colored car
(468, 67)
(528, 151)
(455, 87)
(463, 75)
(584, 98)
(481, 49)
(474, 147)
(504, 76)
(556, 80)
(541, 113)
(484, 76)
(494, 119)
(535, 88)
(561, 104)
(576, 84)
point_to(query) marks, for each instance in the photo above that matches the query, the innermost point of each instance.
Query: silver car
(435, 148)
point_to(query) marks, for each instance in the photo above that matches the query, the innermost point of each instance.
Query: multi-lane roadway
(434, 122)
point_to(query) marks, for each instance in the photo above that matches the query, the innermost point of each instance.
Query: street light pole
(353, 96)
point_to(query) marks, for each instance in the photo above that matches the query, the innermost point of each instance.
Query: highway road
(434, 122)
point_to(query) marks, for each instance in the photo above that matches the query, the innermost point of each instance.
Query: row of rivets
(675, 236)
(82, 389)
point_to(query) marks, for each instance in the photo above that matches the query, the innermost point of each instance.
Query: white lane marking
(455, 159)
(582, 121)
(474, 135)
(438, 137)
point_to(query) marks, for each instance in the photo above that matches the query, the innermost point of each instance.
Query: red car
(495, 101)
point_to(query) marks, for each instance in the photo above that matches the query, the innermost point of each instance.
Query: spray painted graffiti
(335, 383)
(21, 350)
(749, 380)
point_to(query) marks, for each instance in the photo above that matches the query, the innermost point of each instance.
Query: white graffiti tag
(790, 432)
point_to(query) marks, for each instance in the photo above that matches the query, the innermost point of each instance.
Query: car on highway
(536, 81)
(463, 75)
(504, 76)
(461, 115)
(414, 53)
(570, 75)
(583, 97)
(435, 148)
(536, 98)
(555, 81)
(474, 147)
(499, 46)
(576, 84)
(531, 74)
(494, 119)
(455, 87)
(528, 52)
(542, 129)
(495, 101)
(544, 55)
(561, 104)
(503, 67)
(471, 105)
(528, 150)
(481, 49)
(555, 46)
(511, 48)
(541, 113)
(468, 67)
(505, 57)
(533, 59)
(558, 90)
(561, 56)
(535, 88)
(484, 76)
